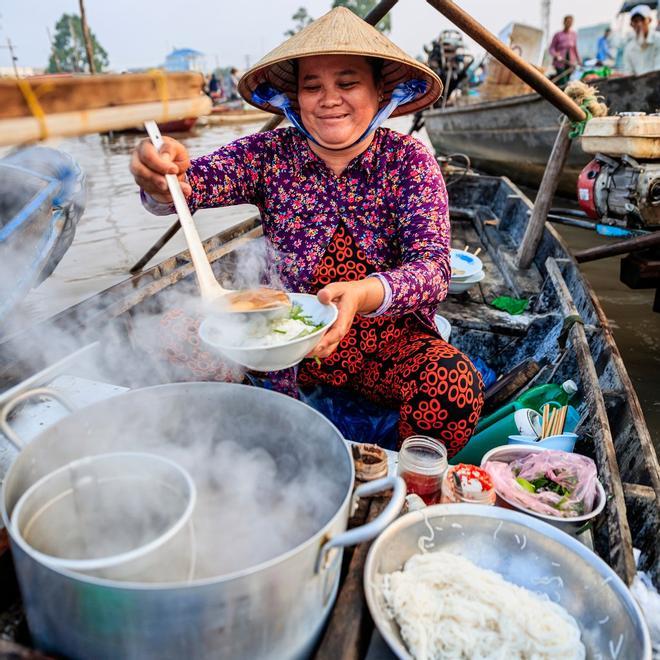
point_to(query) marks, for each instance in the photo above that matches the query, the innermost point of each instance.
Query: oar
(253, 300)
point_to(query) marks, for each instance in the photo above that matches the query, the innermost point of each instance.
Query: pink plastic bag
(565, 483)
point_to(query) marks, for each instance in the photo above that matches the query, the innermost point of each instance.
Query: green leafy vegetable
(526, 485)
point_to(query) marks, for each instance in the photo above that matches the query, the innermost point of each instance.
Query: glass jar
(469, 484)
(422, 465)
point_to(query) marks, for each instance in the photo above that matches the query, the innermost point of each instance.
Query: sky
(139, 33)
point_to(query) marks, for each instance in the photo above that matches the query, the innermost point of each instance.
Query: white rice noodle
(447, 607)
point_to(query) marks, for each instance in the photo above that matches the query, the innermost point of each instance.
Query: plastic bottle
(536, 397)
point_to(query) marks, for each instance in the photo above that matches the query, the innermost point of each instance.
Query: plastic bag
(554, 483)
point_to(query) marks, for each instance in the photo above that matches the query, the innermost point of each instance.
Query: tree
(68, 47)
(302, 19)
(362, 8)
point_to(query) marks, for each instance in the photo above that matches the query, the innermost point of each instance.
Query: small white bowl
(464, 265)
(460, 286)
(281, 356)
(443, 326)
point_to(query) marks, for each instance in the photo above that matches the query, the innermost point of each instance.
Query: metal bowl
(526, 552)
(571, 525)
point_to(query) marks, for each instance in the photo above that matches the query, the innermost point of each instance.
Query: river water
(115, 231)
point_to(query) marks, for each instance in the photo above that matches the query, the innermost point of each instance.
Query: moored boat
(514, 136)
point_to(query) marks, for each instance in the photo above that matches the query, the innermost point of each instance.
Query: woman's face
(337, 96)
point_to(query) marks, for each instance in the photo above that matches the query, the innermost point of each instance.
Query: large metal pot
(275, 609)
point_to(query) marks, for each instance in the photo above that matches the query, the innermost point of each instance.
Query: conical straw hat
(339, 32)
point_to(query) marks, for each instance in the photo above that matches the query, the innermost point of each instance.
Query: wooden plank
(620, 247)
(479, 316)
(350, 627)
(59, 94)
(643, 512)
(618, 530)
(536, 225)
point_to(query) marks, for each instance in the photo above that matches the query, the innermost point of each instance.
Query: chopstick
(553, 424)
(467, 248)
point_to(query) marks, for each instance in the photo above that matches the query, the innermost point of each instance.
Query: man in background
(604, 51)
(564, 51)
(642, 53)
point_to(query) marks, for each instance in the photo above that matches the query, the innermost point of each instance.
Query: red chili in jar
(422, 464)
(469, 484)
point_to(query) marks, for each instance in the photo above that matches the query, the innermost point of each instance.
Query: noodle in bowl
(522, 550)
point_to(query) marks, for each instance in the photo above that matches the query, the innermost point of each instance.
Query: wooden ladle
(261, 299)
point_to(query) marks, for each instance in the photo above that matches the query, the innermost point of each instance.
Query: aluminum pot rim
(496, 513)
(206, 582)
(559, 520)
(111, 561)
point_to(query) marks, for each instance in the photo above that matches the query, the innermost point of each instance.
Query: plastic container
(467, 484)
(422, 465)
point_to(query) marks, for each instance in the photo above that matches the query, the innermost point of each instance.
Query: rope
(161, 85)
(34, 106)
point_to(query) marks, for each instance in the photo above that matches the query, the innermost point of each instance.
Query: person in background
(604, 50)
(233, 84)
(642, 53)
(564, 52)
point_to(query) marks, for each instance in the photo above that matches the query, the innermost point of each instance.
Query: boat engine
(621, 185)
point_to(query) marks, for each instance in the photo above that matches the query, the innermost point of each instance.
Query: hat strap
(403, 93)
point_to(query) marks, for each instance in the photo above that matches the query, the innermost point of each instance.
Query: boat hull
(514, 136)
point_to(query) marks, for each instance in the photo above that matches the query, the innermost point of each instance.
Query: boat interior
(99, 346)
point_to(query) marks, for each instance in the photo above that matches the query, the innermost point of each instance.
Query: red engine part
(586, 189)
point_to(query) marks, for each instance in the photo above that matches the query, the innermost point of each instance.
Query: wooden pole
(525, 71)
(546, 193)
(373, 17)
(620, 247)
(86, 37)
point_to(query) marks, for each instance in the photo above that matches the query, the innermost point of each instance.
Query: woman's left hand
(351, 298)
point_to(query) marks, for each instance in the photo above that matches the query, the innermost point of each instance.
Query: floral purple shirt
(392, 199)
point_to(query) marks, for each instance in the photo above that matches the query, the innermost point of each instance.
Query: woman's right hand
(149, 167)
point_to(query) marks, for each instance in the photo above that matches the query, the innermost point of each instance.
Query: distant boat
(41, 201)
(234, 112)
(514, 136)
(177, 125)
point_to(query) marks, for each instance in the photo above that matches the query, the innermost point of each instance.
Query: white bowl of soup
(265, 344)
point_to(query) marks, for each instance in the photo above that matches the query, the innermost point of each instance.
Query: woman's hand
(351, 298)
(149, 167)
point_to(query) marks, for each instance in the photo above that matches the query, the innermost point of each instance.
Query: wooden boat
(41, 201)
(224, 116)
(514, 136)
(80, 104)
(564, 331)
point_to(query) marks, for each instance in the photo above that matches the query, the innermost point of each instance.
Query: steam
(263, 483)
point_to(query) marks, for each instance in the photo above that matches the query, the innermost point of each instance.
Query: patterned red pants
(397, 362)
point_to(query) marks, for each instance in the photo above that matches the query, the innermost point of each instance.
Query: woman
(356, 215)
